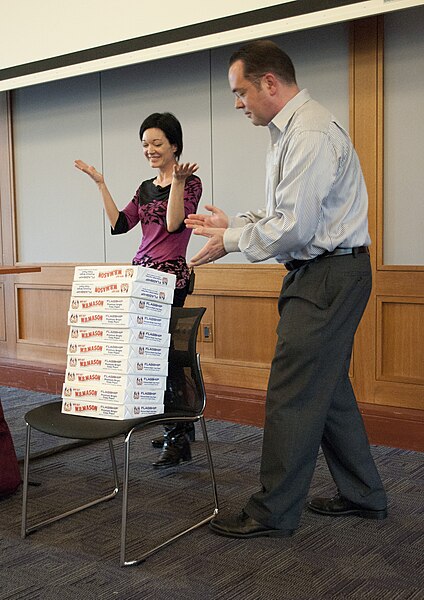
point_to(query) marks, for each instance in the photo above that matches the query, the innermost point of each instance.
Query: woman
(160, 205)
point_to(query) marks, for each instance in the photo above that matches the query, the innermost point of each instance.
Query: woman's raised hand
(90, 170)
(181, 172)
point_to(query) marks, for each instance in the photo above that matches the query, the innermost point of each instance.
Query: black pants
(310, 401)
(180, 294)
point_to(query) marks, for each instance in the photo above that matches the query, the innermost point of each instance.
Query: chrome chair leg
(25, 482)
(127, 448)
(142, 558)
(27, 530)
(211, 468)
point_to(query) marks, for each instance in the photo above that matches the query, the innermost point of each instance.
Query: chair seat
(49, 419)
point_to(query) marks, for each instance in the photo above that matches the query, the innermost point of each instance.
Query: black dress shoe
(339, 507)
(243, 526)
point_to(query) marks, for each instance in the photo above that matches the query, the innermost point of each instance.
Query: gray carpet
(345, 558)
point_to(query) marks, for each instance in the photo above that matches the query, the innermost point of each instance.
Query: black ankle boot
(176, 449)
(158, 442)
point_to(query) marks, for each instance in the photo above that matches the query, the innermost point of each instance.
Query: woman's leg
(176, 438)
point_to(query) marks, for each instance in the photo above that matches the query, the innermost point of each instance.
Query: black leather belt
(296, 264)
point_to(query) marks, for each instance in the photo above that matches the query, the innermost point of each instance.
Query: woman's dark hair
(263, 56)
(170, 126)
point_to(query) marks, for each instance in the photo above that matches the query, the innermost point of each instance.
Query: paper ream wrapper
(120, 350)
(118, 304)
(126, 273)
(133, 289)
(120, 320)
(120, 336)
(102, 378)
(104, 410)
(118, 365)
(115, 395)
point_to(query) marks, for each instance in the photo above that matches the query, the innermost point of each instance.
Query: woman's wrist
(178, 180)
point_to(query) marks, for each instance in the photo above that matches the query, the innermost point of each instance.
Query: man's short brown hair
(264, 56)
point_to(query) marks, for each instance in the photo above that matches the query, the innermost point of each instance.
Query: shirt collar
(283, 117)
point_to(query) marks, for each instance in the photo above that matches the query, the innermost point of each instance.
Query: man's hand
(213, 249)
(218, 218)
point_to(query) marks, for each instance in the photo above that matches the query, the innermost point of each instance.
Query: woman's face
(157, 149)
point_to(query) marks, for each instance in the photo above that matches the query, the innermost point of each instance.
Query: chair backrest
(185, 390)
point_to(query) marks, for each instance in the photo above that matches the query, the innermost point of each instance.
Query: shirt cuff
(235, 222)
(231, 239)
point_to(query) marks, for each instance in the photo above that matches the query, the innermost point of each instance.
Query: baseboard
(28, 376)
(386, 425)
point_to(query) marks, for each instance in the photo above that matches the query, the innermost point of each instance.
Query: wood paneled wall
(241, 303)
(237, 336)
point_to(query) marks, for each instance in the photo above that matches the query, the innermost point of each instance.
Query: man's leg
(348, 453)
(321, 308)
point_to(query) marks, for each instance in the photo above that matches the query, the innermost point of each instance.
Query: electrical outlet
(207, 332)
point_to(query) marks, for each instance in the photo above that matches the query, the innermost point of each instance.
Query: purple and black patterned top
(159, 248)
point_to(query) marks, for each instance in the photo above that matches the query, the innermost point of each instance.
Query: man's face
(251, 96)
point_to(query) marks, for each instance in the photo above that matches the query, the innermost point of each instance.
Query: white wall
(97, 118)
(57, 217)
(403, 138)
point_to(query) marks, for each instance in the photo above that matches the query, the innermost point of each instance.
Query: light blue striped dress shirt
(315, 191)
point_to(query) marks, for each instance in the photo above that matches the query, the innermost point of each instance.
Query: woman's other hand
(90, 170)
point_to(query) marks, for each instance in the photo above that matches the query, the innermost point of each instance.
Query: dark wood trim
(386, 425)
(16, 269)
(239, 405)
(40, 378)
(394, 427)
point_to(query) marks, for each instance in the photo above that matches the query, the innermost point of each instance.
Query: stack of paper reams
(118, 342)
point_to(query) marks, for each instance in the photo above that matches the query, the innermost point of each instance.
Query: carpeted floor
(341, 559)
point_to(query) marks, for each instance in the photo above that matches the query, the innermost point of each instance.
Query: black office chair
(185, 400)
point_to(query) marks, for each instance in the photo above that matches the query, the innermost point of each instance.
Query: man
(315, 223)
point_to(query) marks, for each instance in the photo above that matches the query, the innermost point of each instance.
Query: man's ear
(270, 82)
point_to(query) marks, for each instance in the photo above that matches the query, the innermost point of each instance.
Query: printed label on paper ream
(155, 382)
(121, 320)
(102, 410)
(115, 395)
(126, 272)
(121, 350)
(118, 365)
(118, 304)
(120, 336)
(134, 289)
